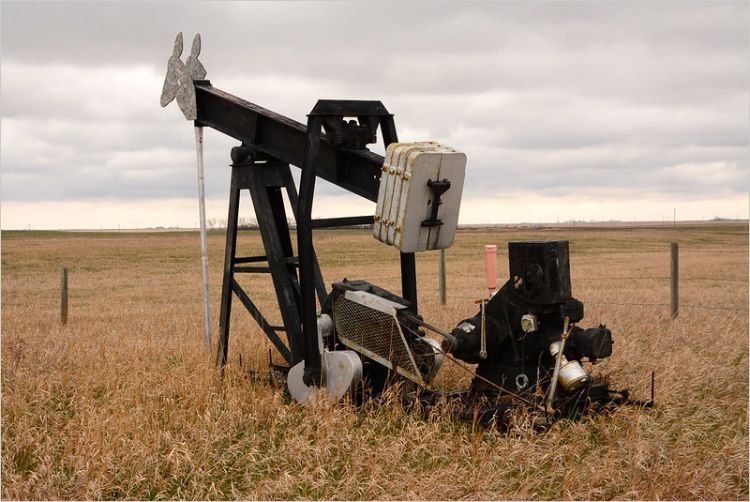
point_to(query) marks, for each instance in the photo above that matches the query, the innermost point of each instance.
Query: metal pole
(558, 363)
(409, 280)
(63, 295)
(441, 278)
(674, 277)
(204, 245)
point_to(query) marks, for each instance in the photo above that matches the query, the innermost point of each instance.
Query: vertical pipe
(63, 295)
(204, 245)
(313, 372)
(490, 267)
(483, 339)
(441, 278)
(409, 280)
(674, 279)
(408, 262)
(558, 364)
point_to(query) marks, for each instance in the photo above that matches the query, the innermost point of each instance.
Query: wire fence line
(642, 304)
(664, 278)
(674, 278)
(584, 279)
(685, 305)
(734, 308)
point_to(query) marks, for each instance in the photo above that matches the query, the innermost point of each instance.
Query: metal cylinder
(441, 277)
(571, 376)
(449, 344)
(439, 355)
(490, 260)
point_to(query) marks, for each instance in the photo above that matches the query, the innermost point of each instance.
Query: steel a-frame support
(270, 143)
(266, 181)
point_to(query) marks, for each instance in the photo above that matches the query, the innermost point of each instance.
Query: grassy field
(122, 402)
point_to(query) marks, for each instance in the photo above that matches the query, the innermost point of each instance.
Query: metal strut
(312, 375)
(329, 147)
(349, 139)
(266, 181)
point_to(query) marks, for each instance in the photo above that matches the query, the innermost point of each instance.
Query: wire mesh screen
(376, 335)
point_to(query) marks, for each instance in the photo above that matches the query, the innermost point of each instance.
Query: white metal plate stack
(405, 199)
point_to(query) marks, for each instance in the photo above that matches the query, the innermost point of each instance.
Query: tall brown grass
(122, 402)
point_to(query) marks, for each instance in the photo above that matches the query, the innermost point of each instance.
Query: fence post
(441, 279)
(674, 278)
(63, 295)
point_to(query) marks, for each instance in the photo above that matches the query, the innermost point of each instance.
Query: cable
(471, 371)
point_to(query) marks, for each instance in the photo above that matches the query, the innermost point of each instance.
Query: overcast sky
(564, 109)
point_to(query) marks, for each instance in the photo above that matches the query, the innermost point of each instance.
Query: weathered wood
(64, 295)
(674, 280)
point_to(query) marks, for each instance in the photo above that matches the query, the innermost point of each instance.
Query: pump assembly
(355, 337)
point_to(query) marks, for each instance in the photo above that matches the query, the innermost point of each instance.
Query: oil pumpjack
(525, 339)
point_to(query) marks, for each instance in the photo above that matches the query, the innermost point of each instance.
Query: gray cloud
(547, 98)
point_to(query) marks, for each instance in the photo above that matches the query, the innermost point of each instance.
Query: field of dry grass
(123, 403)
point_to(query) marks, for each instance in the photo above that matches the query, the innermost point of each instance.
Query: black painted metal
(266, 181)
(252, 270)
(269, 330)
(438, 189)
(229, 252)
(346, 221)
(357, 171)
(409, 280)
(408, 263)
(312, 373)
(348, 137)
(294, 260)
(270, 142)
